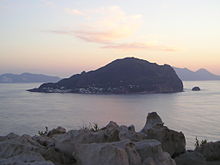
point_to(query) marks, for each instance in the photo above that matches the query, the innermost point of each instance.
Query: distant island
(122, 76)
(199, 75)
(27, 78)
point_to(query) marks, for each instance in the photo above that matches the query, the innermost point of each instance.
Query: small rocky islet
(155, 144)
(121, 76)
(196, 89)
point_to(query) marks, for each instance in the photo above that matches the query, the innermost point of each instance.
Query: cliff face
(128, 75)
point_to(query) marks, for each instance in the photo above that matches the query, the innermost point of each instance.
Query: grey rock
(148, 148)
(124, 152)
(210, 150)
(44, 140)
(55, 131)
(9, 136)
(172, 141)
(129, 133)
(19, 145)
(152, 154)
(196, 89)
(190, 158)
(153, 119)
(29, 158)
(59, 158)
(159, 159)
(105, 153)
(21, 150)
(111, 145)
(111, 133)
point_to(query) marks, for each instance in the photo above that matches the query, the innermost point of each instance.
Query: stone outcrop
(56, 131)
(172, 141)
(21, 150)
(124, 152)
(110, 145)
(151, 153)
(196, 89)
(211, 150)
(205, 153)
(191, 158)
(116, 153)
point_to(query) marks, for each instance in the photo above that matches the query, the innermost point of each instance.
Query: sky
(65, 37)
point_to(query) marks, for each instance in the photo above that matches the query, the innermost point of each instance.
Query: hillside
(199, 75)
(27, 78)
(128, 75)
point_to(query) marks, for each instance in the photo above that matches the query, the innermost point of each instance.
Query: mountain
(122, 76)
(199, 75)
(27, 78)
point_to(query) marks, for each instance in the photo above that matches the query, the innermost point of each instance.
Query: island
(199, 75)
(122, 76)
(27, 78)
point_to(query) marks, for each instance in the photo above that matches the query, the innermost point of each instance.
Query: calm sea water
(193, 113)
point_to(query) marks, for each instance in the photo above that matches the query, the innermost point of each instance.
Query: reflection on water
(193, 113)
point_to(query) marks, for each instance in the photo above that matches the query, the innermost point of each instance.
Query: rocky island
(155, 144)
(122, 76)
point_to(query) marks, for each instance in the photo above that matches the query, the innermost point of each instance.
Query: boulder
(130, 133)
(65, 143)
(116, 153)
(21, 150)
(196, 89)
(153, 119)
(55, 131)
(9, 136)
(123, 152)
(57, 157)
(210, 150)
(44, 140)
(159, 159)
(172, 142)
(151, 153)
(29, 158)
(190, 158)
(110, 133)
(19, 145)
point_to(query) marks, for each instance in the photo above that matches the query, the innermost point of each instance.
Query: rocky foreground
(155, 144)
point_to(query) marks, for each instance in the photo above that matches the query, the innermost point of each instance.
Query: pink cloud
(109, 26)
(48, 3)
(136, 46)
(102, 37)
(75, 12)
(107, 39)
(59, 32)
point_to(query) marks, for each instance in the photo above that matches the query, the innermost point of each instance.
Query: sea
(195, 113)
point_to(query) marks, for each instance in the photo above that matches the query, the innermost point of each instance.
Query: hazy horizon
(67, 37)
(70, 74)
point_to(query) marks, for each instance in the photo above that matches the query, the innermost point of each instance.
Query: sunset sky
(64, 37)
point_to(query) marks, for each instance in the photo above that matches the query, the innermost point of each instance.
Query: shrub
(43, 133)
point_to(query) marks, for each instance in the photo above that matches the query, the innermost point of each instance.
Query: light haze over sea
(193, 113)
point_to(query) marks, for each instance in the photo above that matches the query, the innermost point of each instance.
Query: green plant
(94, 127)
(91, 127)
(198, 143)
(43, 133)
(203, 142)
